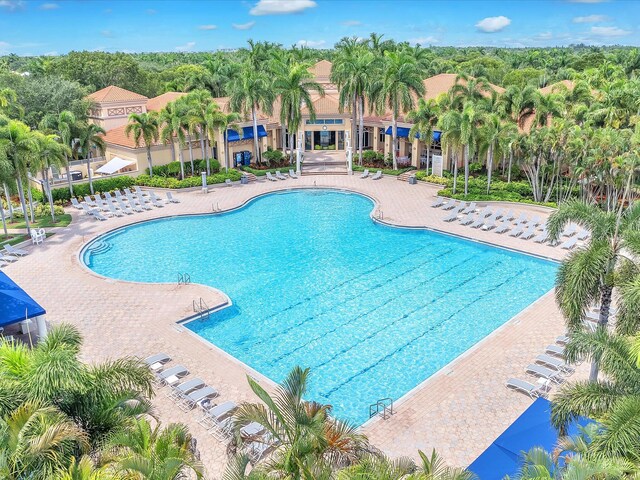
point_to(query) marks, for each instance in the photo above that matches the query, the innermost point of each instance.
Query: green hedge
(172, 169)
(41, 210)
(422, 175)
(99, 186)
(261, 173)
(386, 171)
(168, 182)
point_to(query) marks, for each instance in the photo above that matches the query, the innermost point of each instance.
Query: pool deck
(459, 411)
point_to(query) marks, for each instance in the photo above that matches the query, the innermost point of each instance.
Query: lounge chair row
(125, 203)
(11, 254)
(217, 419)
(376, 176)
(280, 176)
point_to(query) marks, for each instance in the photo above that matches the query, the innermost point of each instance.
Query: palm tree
(199, 101)
(228, 121)
(304, 436)
(588, 274)
(425, 120)
(17, 147)
(153, 453)
(90, 137)
(451, 125)
(492, 138)
(63, 126)
(144, 127)
(294, 85)
(36, 442)
(400, 82)
(518, 104)
(170, 120)
(49, 152)
(250, 92)
(5, 174)
(468, 89)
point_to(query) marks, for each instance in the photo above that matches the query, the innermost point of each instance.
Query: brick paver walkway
(458, 411)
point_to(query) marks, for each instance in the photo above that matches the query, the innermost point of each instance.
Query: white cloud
(311, 43)
(591, 19)
(186, 47)
(544, 36)
(430, 40)
(52, 53)
(207, 27)
(49, 6)
(243, 26)
(493, 24)
(609, 31)
(12, 5)
(352, 23)
(106, 33)
(281, 7)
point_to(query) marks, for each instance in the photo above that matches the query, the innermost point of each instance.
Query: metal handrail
(387, 407)
(201, 308)
(184, 279)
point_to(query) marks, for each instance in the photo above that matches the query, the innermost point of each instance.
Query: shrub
(422, 175)
(275, 156)
(172, 169)
(196, 181)
(99, 186)
(386, 171)
(475, 167)
(41, 210)
(370, 156)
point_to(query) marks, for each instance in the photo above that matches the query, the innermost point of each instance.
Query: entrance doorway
(324, 140)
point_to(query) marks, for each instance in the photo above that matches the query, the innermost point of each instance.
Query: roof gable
(161, 101)
(115, 94)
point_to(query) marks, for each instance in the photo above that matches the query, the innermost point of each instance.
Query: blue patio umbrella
(15, 304)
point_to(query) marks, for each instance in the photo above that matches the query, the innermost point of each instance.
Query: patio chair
(171, 198)
(517, 230)
(8, 258)
(377, 176)
(534, 391)
(38, 236)
(365, 174)
(542, 237)
(280, 176)
(563, 339)
(452, 216)
(213, 415)
(156, 361)
(503, 227)
(499, 214)
(583, 235)
(75, 203)
(555, 350)
(179, 391)
(570, 230)
(16, 252)
(544, 372)
(479, 222)
(292, 174)
(139, 192)
(569, 244)
(197, 396)
(89, 201)
(536, 220)
(271, 178)
(450, 204)
(156, 203)
(171, 375)
(521, 219)
(489, 224)
(509, 215)
(114, 211)
(438, 202)
(530, 232)
(108, 197)
(468, 219)
(554, 363)
(486, 211)
(126, 209)
(470, 208)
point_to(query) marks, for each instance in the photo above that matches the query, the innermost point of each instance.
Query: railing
(201, 308)
(384, 404)
(215, 207)
(379, 214)
(184, 279)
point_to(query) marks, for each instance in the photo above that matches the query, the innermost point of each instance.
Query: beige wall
(114, 114)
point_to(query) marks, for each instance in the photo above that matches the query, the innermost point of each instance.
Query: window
(325, 121)
(381, 135)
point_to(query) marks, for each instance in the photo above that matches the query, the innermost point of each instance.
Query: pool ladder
(383, 407)
(184, 279)
(215, 208)
(201, 308)
(379, 214)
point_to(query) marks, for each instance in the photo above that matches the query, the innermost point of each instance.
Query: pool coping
(181, 323)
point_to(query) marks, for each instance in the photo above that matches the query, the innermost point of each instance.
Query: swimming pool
(372, 310)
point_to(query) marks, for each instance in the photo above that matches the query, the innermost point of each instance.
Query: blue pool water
(372, 310)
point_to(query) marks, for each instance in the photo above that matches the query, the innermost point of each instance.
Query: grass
(12, 239)
(386, 171)
(44, 222)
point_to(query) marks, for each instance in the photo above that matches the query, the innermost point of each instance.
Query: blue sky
(58, 26)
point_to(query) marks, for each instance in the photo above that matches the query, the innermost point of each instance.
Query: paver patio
(458, 411)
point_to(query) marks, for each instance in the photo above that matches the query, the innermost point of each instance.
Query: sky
(55, 27)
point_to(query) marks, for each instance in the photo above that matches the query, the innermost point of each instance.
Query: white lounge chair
(468, 219)
(509, 215)
(563, 339)
(583, 235)
(569, 244)
(536, 220)
(171, 375)
(126, 209)
(197, 396)
(486, 211)
(8, 258)
(499, 213)
(16, 252)
(179, 391)
(89, 201)
(555, 350)
(570, 230)
(114, 211)
(157, 361)
(280, 176)
(521, 219)
(478, 222)
(534, 391)
(212, 416)
(529, 232)
(139, 192)
(75, 203)
(489, 224)
(542, 237)
(544, 372)
(156, 202)
(377, 176)
(452, 216)
(555, 364)
(469, 208)
(292, 174)
(450, 204)
(517, 230)
(365, 174)
(171, 198)
(503, 227)
(271, 177)
(438, 202)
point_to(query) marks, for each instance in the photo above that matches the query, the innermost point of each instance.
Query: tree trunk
(29, 195)
(428, 155)
(510, 164)
(489, 167)
(68, 168)
(455, 173)
(208, 156)
(23, 204)
(9, 206)
(603, 319)
(361, 131)
(47, 189)
(354, 122)
(394, 139)
(256, 145)
(4, 220)
(190, 153)
(466, 170)
(283, 139)
(226, 153)
(181, 156)
(203, 151)
(149, 161)
(89, 172)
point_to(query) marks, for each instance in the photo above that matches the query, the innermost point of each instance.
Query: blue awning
(15, 304)
(247, 134)
(403, 132)
(531, 429)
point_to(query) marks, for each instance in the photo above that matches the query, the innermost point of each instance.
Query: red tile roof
(115, 94)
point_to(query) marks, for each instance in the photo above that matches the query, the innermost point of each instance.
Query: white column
(299, 144)
(42, 327)
(205, 189)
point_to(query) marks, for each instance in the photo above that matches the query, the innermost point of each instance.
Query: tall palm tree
(199, 101)
(492, 135)
(5, 174)
(49, 152)
(90, 137)
(451, 125)
(425, 120)
(294, 85)
(468, 89)
(400, 83)
(62, 125)
(153, 453)
(588, 274)
(170, 120)
(144, 127)
(303, 434)
(518, 103)
(251, 92)
(17, 147)
(228, 121)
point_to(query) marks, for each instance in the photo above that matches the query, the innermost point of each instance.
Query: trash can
(412, 180)
(244, 180)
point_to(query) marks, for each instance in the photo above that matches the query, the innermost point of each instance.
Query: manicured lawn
(12, 239)
(44, 222)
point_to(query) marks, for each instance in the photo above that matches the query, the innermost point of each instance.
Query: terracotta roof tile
(115, 94)
(161, 101)
(442, 83)
(116, 136)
